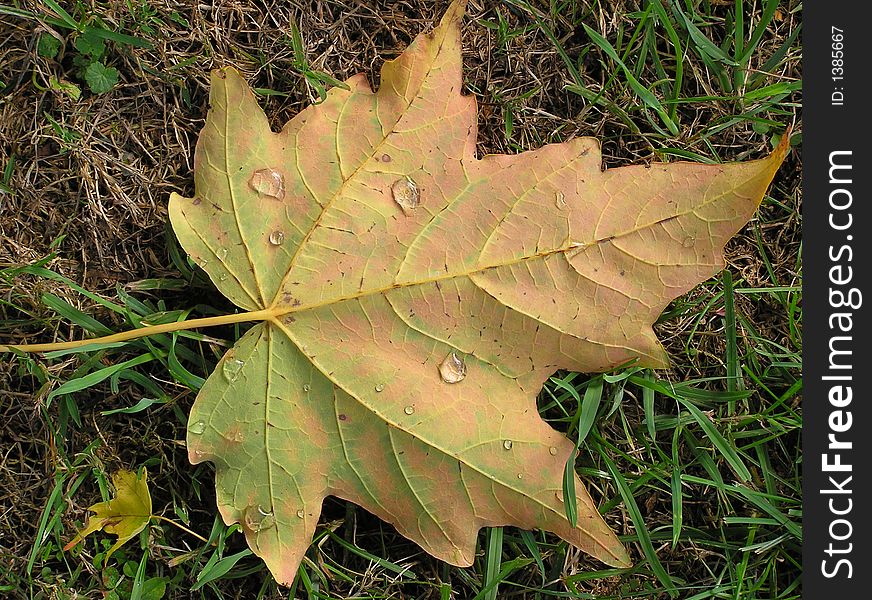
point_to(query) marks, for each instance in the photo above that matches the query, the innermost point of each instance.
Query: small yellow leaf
(125, 515)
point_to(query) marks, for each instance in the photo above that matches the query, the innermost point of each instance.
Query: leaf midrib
(279, 311)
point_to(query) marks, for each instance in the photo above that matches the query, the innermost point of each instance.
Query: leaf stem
(256, 315)
(180, 526)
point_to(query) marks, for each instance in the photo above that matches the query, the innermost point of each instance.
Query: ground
(87, 163)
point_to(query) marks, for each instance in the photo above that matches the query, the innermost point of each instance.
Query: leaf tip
(224, 73)
(453, 15)
(175, 198)
(622, 558)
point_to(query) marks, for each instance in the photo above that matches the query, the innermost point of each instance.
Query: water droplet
(507, 444)
(409, 410)
(276, 238)
(520, 476)
(301, 513)
(222, 277)
(560, 200)
(257, 518)
(380, 387)
(202, 262)
(552, 451)
(406, 194)
(237, 436)
(268, 182)
(452, 369)
(688, 242)
(386, 158)
(197, 428)
(306, 387)
(221, 253)
(231, 368)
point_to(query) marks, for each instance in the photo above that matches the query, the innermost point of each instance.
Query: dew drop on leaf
(202, 262)
(276, 238)
(688, 242)
(406, 194)
(386, 158)
(380, 387)
(222, 277)
(301, 513)
(507, 444)
(221, 253)
(553, 451)
(520, 476)
(560, 200)
(306, 387)
(231, 369)
(452, 369)
(409, 410)
(257, 518)
(197, 427)
(268, 182)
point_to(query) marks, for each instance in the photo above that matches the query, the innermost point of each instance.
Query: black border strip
(836, 289)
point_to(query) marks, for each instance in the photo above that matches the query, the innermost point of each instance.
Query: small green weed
(85, 41)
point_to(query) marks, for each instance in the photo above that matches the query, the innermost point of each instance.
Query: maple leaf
(125, 515)
(415, 298)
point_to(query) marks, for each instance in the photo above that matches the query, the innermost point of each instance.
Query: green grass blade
(703, 44)
(644, 93)
(140, 406)
(92, 379)
(642, 533)
(139, 579)
(732, 348)
(119, 38)
(588, 410)
(724, 447)
(218, 569)
(768, 13)
(70, 313)
(63, 14)
(590, 404)
(648, 407)
(493, 561)
(533, 549)
(385, 564)
(666, 23)
(677, 491)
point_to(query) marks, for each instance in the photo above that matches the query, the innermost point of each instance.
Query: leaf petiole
(180, 526)
(257, 315)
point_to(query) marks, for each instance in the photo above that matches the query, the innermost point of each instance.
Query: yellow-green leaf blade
(418, 298)
(125, 515)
